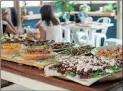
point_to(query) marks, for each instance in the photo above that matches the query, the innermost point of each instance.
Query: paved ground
(16, 87)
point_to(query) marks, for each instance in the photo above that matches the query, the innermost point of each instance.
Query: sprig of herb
(16, 55)
(70, 73)
(52, 60)
(75, 51)
(97, 73)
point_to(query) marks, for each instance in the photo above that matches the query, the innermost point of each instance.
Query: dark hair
(47, 15)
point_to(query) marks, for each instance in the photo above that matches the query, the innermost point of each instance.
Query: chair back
(75, 37)
(66, 32)
(104, 20)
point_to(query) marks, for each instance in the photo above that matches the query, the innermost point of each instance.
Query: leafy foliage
(64, 6)
(110, 7)
(25, 3)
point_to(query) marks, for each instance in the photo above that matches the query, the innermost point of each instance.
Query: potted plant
(65, 7)
(110, 7)
(84, 8)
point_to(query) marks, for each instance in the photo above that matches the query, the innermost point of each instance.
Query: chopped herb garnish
(70, 73)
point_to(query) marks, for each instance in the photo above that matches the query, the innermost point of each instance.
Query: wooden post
(41, 2)
(1, 27)
(18, 13)
(119, 19)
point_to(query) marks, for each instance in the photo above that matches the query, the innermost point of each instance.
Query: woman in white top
(49, 26)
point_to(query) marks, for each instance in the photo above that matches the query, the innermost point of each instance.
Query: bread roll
(36, 53)
(10, 48)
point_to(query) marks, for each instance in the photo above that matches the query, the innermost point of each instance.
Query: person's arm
(11, 25)
(42, 33)
(9, 29)
(37, 25)
(58, 20)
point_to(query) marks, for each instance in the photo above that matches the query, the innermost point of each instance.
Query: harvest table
(34, 78)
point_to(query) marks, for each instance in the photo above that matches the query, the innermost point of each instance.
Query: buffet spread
(84, 64)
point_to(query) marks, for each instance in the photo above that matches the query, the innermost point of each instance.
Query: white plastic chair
(98, 36)
(67, 35)
(113, 41)
(82, 36)
(76, 38)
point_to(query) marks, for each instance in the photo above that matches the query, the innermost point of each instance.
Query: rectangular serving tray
(38, 74)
